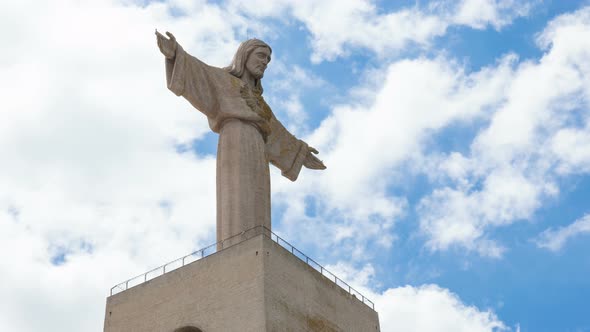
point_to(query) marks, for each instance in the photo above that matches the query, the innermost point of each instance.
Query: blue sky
(456, 135)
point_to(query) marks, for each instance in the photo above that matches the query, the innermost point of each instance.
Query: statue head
(240, 61)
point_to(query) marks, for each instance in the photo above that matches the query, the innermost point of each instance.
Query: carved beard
(257, 73)
(256, 70)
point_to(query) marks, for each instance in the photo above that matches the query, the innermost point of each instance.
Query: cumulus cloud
(338, 26)
(528, 136)
(572, 148)
(533, 139)
(555, 238)
(497, 13)
(95, 187)
(424, 308)
(404, 309)
(98, 183)
(367, 145)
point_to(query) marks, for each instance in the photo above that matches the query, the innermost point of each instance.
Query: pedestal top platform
(260, 283)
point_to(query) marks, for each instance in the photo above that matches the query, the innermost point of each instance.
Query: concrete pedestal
(255, 286)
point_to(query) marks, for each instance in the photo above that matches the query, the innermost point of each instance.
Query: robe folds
(250, 137)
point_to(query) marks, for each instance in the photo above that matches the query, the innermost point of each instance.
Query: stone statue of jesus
(250, 136)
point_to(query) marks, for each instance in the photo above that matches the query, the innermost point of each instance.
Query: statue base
(255, 285)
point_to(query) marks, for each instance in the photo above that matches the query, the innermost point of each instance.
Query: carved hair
(238, 64)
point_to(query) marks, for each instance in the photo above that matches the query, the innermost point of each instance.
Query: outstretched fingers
(167, 45)
(313, 162)
(159, 38)
(172, 38)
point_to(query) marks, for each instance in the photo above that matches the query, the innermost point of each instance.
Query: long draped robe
(250, 137)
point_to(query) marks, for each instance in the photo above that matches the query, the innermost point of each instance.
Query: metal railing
(230, 242)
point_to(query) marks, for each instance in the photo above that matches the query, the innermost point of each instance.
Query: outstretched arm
(187, 76)
(288, 153)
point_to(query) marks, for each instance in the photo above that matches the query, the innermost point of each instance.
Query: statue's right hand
(167, 46)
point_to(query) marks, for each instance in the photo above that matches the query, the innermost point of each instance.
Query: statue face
(257, 62)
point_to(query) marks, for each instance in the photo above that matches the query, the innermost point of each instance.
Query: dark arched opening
(188, 329)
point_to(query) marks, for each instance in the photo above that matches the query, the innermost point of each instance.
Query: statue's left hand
(311, 161)
(167, 46)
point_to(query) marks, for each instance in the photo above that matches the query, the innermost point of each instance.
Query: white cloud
(91, 179)
(90, 173)
(533, 139)
(498, 13)
(367, 144)
(554, 239)
(425, 308)
(406, 308)
(525, 112)
(338, 26)
(462, 216)
(572, 148)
